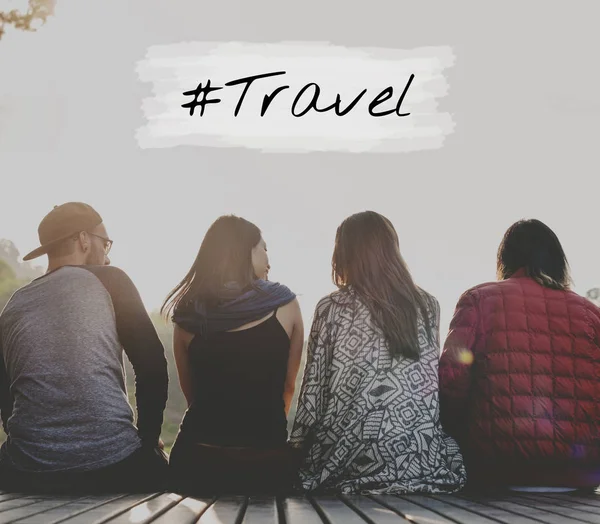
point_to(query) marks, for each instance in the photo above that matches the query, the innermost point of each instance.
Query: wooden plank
(411, 511)
(71, 509)
(573, 513)
(509, 504)
(225, 510)
(444, 508)
(186, 511)
(371, 510)
(147, 511)
(261, 509)
(518, 508)
(572, 502)
(112, 509)
(335, 511)
(17, 503)
(19, 500)
(11, 496)
(589, 500)
(498, 514)
(299, 510)
(39, 506)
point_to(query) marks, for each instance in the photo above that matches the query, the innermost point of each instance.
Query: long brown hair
(225, 255)
(367, 258)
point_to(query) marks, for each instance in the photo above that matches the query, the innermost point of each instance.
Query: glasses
(107, 242)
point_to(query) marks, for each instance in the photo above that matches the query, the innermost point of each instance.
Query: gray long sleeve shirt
(63, 399)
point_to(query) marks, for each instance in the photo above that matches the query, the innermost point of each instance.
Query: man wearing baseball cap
(63, 399)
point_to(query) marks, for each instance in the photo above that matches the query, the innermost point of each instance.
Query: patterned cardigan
(365, 421)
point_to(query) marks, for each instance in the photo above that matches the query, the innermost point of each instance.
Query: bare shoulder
(289, 315)
(291, 307)
(181, 334)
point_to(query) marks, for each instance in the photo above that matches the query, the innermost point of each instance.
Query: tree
(37, 13)
(593, 295)
(13, 272)
(8, 251)
(23, 270)
(8, 282)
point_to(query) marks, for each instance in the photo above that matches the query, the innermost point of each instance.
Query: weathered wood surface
(167, 508)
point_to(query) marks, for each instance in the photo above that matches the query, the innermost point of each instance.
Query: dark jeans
(145, 470)
(201, 469)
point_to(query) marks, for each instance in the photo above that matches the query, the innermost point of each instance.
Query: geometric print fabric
(367, 422)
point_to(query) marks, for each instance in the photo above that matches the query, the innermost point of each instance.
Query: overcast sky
(523, 96)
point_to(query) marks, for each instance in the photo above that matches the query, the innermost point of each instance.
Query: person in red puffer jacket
(520, 371)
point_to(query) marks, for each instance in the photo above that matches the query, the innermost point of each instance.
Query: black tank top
(238, 379)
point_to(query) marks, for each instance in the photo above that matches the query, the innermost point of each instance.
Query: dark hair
(367, 257)
(532, 246)
(225, 255)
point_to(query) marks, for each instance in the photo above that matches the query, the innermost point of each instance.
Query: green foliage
(9, 282)
(13, 273)
(176, 403)
(593, 295)
(23, 270)
(37, 13)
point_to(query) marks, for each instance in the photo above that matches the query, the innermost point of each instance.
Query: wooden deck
(167, 508)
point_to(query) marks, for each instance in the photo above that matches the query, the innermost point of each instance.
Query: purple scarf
(235, 307)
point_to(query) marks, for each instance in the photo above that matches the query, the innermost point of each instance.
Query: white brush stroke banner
(177, 68)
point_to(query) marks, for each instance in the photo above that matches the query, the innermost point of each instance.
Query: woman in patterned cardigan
(368, 412)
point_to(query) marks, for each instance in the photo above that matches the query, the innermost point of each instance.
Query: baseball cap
(62, 222)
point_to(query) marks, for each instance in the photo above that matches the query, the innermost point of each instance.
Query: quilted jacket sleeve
(455, 365)
(312, 399)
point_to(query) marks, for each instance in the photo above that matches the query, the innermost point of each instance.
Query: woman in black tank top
(238, 381)
(238, 342)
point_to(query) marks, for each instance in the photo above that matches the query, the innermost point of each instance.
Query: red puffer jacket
(520, 385)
